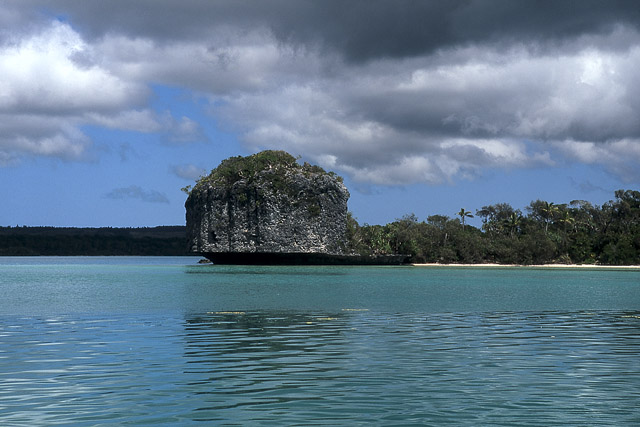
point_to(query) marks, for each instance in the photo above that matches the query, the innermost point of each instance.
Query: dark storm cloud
(364, 30)
(357, 29)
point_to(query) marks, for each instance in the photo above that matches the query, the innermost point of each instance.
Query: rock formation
(267, 204)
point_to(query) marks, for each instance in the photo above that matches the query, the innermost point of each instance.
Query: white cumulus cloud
(443, 99)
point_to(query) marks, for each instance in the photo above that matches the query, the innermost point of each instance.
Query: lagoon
(165, 341)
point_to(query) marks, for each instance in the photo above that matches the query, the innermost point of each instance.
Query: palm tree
(567, 219)
(513, 223)
(549, 210)
(463, 214)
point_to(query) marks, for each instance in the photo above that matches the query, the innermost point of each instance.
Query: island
(267, 208)
(271, 209)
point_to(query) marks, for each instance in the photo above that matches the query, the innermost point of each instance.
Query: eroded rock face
(267, 203)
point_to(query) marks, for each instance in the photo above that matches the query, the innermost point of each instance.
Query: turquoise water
(164, 341)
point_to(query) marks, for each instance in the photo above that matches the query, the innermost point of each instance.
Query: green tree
(543, 212)
(464, 214)
(578, 232)
(512, 223)
(494, 217)
(405, 232)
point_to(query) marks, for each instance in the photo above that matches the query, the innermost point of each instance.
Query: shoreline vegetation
(575, 233)
(105, 241)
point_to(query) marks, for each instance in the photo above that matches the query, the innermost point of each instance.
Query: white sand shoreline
(569, 266)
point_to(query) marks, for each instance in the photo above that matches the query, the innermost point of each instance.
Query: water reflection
(260, 359)
(281, 270)
(405, 289)
(345, 367)
(330, 367)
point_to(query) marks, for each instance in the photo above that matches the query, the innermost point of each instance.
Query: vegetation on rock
(267, 203)
(277, 163)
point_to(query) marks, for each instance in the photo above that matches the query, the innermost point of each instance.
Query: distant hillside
(67, 241)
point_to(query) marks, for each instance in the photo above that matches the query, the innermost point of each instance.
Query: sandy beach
(568, 266)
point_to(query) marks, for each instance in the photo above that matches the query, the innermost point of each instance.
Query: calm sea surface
(164, 341)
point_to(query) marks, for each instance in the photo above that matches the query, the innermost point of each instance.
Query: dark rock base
(261, 258)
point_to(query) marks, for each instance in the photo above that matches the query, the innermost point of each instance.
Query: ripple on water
(342, 367)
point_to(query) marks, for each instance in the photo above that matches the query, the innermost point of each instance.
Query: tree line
(157, 241)
(576, 232)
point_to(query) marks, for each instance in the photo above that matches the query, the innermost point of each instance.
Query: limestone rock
(267, 203)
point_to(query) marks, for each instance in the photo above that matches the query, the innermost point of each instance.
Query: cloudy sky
(108, 108)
